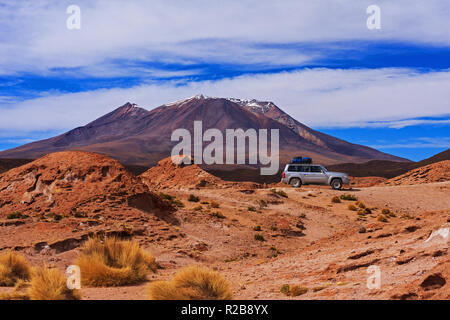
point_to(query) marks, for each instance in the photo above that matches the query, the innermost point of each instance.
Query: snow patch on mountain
(253, 104)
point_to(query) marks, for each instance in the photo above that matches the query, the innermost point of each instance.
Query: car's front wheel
(336, 184)
(295, 182)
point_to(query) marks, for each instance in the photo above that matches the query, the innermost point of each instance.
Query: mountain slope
(269, 109)
(135, 136)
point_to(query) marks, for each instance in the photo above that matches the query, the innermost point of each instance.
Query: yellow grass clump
(50, 284)
(191, 283)
(114, 262)
(13, 267)
(293, 291)
(336, 199)
(296, 291)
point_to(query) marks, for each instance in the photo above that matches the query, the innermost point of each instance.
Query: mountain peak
(127, 111)
(254, 105)
(128, 108)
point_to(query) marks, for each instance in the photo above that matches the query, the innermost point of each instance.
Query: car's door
(305, 171)
(317, 175)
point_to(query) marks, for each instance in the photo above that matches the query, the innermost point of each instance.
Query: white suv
(298, 174)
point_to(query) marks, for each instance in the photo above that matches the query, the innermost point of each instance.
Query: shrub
(18, 293)
(257, 228)
(349, 197)
(172, 200)
(336, 199)
(262, 203)
(386, 211)
(50, 284)
(214, 204)
(406, 216)
(178, 203)
(360, 204)
(15, 215)
(218, 215)
(285, 289)
(259, 237)
(193, 198)
(166, 196)
(198, 208)
(274, 252)
(293, 291)
(297, 291)
(279, 192)
(318, 288)
(382, 218)
(364, 211)
(57, 217)
(191, 283)
(114, 262)
(13, 267)
(352, 207)
(251, 208)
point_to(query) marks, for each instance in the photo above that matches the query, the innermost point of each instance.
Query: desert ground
(259, 237)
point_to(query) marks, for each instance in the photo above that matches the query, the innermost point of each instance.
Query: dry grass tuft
(349, 197)
(352, 207)
(114, 262)
(335, 199)
(296, 291)
(293, 291)
(280, 193)
(193, 198)
(360, 204)
(191, 283)
(214, 204)
(13, 267)
(259, 237)
(50, 284)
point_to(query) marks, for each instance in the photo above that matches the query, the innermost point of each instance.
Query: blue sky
(316, 60)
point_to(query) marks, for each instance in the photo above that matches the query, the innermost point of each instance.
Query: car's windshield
(324, 169)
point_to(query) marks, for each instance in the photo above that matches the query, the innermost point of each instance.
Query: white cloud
(34, 34)
(316, 97)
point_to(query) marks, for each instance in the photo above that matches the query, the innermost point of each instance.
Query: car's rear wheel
(295, 182)
(336, 184)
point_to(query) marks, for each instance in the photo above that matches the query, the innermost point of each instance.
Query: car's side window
(304, 169)
(316, 169)
(292, 168)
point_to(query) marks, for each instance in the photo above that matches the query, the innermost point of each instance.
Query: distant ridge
(387, 169)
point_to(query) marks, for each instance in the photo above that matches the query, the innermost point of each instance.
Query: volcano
(135, 136)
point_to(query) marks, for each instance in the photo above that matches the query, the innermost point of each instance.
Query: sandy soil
(308, 240)
(327, 252)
